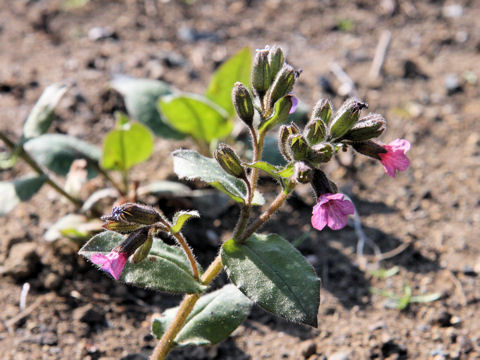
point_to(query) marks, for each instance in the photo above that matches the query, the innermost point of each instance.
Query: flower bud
(285, 132)
(303, 173)
(242, 101)
(320, 153)
(346, 117)
(369, 148)
(298, 147)
(275, 60)
(322, 111)
(134, 213)
(229, 161)
(120, 226)
(315, 131)
(321, 184)
(282, 110)
(369, 127)
(142, 251)
(133, 241)
(282, 85)
(261, 77)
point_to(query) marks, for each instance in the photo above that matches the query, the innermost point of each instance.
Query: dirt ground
(425, 221)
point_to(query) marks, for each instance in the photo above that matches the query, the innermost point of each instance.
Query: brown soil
(76, 312)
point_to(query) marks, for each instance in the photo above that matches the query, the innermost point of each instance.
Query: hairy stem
(37, 168)
(167, 341)
(183, 243)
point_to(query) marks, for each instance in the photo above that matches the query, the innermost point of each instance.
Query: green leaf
(57, 152)
(196, 116)
(127, 146)
(141, 98)
(42, 114)
(275, 275)
(165, 269)
(73, 226)
(180, 218)
(278, 172)
(14, 192)
(426, 298)
(190, 165)
(237, 68)
(385, 273)
(213, 318)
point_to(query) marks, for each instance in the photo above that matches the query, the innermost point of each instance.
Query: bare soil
(428, 216)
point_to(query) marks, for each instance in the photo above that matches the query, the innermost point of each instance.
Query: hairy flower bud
(320, 153)
(134, 213)
(322, 111)
(370, 148)
(303, 173)
(368, 127)
(315, 131)
(284, 134)
(298, 147)
(133, 241)
(243, 103)
(282, 85)
(229, 161)
(346, 117)
(142, 251)
(261, 76)
(120, 226)
(321, 184)
(275, 60)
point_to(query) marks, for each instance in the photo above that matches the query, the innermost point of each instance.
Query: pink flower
(112, 263)
(331, 210)
(394, 159)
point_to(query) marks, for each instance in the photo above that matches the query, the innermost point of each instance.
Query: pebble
(452, 11)
(308, 348)
(98, 33)
(340, 355)
(452, 84)
(89, 314)
(22, 262)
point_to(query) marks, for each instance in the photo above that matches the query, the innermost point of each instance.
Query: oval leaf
(272, 273)
(141, 98)
(237, 68)
(181, 218)
(42, 114)
(196, 116)
(57, 152)
(190, 165)
(213, 318)
(14, 192)
(127, 146)
(165, 269)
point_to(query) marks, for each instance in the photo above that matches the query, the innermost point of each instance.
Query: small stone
(469, 271)
(340, 355)
(452, 84)
(98, 33)
(52, 281)
(89, 314)
(49, 338)
(452, 11)
(22, 262)
(308, 348)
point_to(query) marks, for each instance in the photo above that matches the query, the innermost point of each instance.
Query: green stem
(37, 168)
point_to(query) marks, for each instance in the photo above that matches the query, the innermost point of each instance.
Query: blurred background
(415, 62)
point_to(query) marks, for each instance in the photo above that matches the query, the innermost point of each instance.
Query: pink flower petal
(395, 159)
(331, 210)
(294, 104)
(113, 262)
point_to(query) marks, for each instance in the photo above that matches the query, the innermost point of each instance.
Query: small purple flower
(113, 262)
(395, 159)
(331, 210)
(294, 104)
